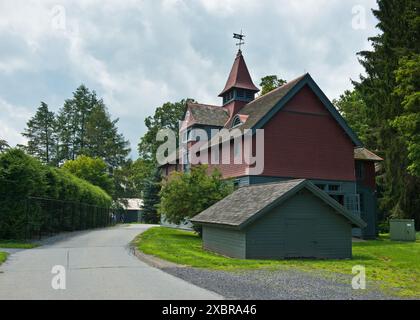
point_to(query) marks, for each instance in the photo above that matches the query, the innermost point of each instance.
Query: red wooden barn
(304, 137)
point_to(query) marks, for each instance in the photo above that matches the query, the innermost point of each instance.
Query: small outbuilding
(131, 210)
(289, 219)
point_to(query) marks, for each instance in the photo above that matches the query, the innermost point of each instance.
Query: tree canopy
(384, 106)
(271, 82)
(4, 145)
(93, 170)
(82, 126)
(167, 116)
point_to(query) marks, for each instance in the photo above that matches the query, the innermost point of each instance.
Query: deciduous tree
(167, 116)
(184, 195)
(93, 170)
(271, 82)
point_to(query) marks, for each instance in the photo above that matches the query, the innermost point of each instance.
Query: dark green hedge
(22, 177)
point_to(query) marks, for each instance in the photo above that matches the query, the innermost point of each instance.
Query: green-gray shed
(288, 219)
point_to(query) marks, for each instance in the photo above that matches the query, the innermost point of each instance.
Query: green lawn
(3, 257)
(395, 265)
(13, 244)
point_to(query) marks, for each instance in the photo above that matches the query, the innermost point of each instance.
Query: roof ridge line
(282, 86)
(274, 182)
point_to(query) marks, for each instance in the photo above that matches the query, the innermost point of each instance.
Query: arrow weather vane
(240, 37)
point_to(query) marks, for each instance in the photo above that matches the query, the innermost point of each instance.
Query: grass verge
(13, 244)
(394, 265)
(3, 257)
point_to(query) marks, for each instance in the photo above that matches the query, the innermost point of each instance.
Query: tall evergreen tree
(101, 137)
(41, 134)
(151, 197)
(4, 145)
(86, 128)
(399, 26)
(72, 120)
(353, 108)
(408, 124)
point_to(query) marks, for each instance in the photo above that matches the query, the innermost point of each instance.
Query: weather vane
(240, 37)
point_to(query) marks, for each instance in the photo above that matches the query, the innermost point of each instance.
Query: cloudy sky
(139, 54)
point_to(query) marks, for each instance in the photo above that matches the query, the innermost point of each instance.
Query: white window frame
(236, 118)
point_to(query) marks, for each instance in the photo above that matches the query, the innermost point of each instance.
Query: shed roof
(247, 203)
(131, 203)
(365, 154)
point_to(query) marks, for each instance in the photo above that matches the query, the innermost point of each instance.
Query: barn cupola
(239, 88)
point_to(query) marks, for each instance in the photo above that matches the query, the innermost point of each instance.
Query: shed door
(301, 238)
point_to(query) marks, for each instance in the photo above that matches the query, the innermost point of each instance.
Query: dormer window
(236, 121)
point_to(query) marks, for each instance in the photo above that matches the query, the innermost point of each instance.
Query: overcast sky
(139, 54)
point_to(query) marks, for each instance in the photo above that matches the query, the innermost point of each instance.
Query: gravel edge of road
(258, 284)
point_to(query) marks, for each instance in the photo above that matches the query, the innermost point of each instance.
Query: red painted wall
(228, 170)
(369, 174)
(234, 107)
(304, 141)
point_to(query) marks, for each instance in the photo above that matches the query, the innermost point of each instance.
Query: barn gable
(261, 110)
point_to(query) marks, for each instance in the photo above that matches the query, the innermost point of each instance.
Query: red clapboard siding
(228, 170)
(304, 141)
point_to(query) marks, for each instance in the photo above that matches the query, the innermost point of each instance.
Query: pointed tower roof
(239, 76)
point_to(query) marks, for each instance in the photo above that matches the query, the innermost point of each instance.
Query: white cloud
(140, 54)
(11, 118)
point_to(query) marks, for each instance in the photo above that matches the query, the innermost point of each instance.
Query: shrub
(93, 170)
(21, 176)
(184, 195)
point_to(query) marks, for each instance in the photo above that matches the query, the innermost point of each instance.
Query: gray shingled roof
(259, 107)
(365, 154)
(217, 116)
(208, 115)
(246, 203)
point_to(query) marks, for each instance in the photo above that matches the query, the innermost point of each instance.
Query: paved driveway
(99, 265)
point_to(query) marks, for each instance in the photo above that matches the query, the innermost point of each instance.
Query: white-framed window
(236, 121)
(237, 148)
